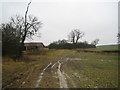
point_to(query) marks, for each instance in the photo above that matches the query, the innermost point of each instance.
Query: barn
(33, 45)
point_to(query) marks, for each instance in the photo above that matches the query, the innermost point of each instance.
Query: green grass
(95, 70)
(108, 47)
(103, 48)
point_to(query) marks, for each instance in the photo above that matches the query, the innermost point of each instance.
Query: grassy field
(62, 69)
(108, 47)
(105, 48)
(92, 70)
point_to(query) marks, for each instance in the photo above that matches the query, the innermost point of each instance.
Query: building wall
(37, 46)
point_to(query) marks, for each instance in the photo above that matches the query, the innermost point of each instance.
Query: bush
(10, 40)
(70, 46)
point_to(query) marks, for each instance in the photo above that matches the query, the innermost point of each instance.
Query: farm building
(34, 45)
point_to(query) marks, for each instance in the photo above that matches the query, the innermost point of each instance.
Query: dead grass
(14, 72)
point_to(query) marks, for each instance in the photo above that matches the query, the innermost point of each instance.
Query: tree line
(73, 41)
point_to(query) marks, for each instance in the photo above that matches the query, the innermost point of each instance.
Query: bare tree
(71, 37)
(75, 35)
(27, 26)
(78, 34)
(95, 42)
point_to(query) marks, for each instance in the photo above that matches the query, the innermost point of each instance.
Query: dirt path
(60, 74)
(53, 75)
(41, 75)
(61, 77)
(62, 81)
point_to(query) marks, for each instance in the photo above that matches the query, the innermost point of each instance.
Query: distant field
(108, 47)
(105, 48)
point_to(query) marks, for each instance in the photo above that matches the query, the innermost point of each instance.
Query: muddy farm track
(74, 70)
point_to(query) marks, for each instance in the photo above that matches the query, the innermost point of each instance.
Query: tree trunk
(24, 36)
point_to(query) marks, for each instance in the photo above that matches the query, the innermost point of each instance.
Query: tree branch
(27, 12)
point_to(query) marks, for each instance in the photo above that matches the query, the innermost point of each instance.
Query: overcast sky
(97, 19)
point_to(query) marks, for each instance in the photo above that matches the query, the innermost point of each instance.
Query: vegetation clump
(55, 45)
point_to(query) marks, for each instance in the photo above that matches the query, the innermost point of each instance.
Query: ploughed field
(62, 69)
